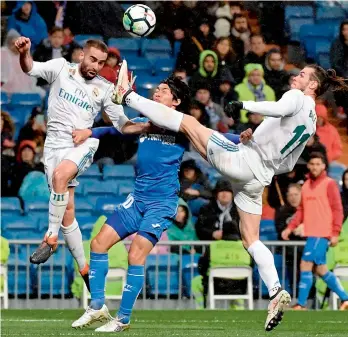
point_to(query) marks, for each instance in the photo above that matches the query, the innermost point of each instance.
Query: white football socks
(73, 238)
(265, 264)
(159, 114)
(56, 209)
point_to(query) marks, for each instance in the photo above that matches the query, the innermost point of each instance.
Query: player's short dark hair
(180, 90)
(100, 45)
(317, 155)
(56, 29)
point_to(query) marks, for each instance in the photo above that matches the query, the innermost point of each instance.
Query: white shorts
(228, 159)
(81, 155)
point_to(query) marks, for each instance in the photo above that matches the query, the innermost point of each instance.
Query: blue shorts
(149, 218)
(315, 250)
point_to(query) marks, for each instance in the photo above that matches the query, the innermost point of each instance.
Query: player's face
(316, 166)
(209, 64)
(294, 196)
(241, 25)
(93, 61)
(255, 77)
(224, 197)
(164, 95)
(303, 80)
(57, 39)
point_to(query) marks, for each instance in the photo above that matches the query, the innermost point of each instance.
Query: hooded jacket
(245, 94)
(34, 28)
(328, 135)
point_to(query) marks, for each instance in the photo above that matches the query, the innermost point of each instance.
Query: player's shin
(334, 284)
(265, 264)
(57, 206)
(135, 281)
(306, 282)
(73, 238)
(158, 113)
(99, 265)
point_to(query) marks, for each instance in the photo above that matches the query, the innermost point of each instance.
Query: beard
(84, 72)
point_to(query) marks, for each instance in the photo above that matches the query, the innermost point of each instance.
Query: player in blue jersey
(148, 211)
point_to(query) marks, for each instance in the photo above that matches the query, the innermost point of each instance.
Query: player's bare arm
(23, 45)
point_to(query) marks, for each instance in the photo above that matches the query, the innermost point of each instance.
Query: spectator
(112, 66)
(240, 35)
(208, 73)
(229, 10)
(257, 53)
(344, 193)
(328, 134)
(197, 110)
(253, 88)
(218, 119)
(182, 73)
(339, 51)
(13, 79)
(219, 219)
(25, 164)
(193, 183)
(182, 228)
(322, 216)
(75, 53)
(7, 135)
(228, 58)
(254, 120)
(285, 213)
(226, 93)
(27, 22)
(34, 130)
(192, 45)
(275, 75)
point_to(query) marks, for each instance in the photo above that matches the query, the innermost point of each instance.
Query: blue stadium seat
(107, 205)
(267, 226)
(140, 65)
(298, 12)
(330, 14)
(125, 187)
(92, 173)
(37, 206)
(322, 46)
(148, 83)
(81, 39)
(10, 206)
(131, 113)
(177, 46)
(311, 44)
(101, 189)
(83, 207)
(86, 224)
(127, 46)
(324, 60)
(79, 189)
(5, 101)
(159, 46)
(295, 26)
(161, 286)
(19, 223)
(126, 6)
(153, 56)
(118, 172)
(22, 104)
(18, 275)
(336, 171)
(319, 30)
(52, 271)
(164, 67)
(189, 265)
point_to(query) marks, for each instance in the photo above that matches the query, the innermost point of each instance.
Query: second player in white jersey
(73, 101)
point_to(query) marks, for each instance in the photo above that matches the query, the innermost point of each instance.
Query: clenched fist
(23, 44)
(233, 108)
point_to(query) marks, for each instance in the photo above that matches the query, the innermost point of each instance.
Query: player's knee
(60, 178)
(321, 270)
(137, 256)
(306, 266)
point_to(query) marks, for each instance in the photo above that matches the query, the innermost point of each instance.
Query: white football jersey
(282, 136)
(73, 101)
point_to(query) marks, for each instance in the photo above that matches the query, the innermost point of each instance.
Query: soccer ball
(139, 20)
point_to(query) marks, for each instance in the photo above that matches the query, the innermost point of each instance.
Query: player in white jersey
(76, 96)
(274, 148)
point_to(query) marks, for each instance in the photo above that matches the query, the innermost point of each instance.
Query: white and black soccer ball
(139, 20)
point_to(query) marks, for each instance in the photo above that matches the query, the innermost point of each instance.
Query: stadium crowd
(228, 51)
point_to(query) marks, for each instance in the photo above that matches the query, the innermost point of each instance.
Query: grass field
(179, 323)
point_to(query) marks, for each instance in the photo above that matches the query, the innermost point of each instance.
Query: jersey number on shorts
(299, 137)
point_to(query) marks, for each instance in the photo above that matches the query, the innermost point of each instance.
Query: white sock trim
(71, 228)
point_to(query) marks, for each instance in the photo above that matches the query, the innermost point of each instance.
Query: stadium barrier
(167, 282)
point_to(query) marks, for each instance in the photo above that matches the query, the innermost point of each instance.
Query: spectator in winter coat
(253, 88)
(254, 120)
(197, 110)
(226, 93)
(344, 193)
(257, 52)
(7, 134)
(13, 79)
(219, 219)
(328, 134)
(275, 75)
(27, 22)
(240, 35)
(208, 73)
(339, 51)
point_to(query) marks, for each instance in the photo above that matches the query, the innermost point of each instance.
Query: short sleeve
(49, 70)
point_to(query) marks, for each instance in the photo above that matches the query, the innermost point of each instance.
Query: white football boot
(276, 309)
(115, 325)
(91, 316)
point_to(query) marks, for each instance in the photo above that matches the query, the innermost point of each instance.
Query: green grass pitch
(183, 323)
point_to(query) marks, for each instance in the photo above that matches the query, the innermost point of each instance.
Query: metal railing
(164, 280)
